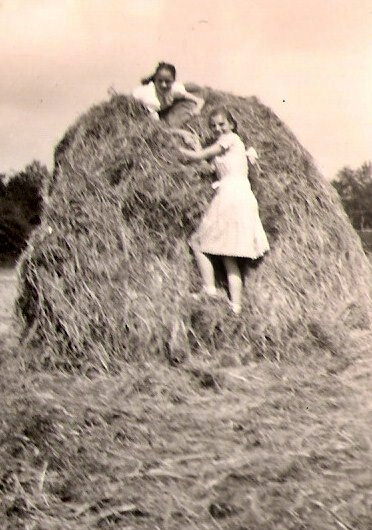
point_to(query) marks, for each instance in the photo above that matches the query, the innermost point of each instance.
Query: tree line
(354, 187)
(21, 201)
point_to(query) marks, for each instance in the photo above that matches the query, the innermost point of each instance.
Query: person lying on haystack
(159, 91)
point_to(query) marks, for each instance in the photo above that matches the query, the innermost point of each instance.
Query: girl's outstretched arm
(190, 139)
(202, 154)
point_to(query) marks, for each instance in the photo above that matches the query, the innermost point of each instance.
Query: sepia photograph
(186, 265)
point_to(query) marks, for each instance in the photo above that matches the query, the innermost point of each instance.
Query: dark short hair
(161, 66)
(225, 112)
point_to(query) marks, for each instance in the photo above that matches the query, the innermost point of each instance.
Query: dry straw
(108, 275)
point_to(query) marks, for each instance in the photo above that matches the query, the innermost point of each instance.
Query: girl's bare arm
(202, 154)
(199, 102)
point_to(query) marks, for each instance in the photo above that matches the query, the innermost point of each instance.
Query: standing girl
(231, 227)
(158, 92)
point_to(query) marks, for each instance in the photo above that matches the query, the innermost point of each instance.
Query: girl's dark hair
(161, 66)
(230, 118)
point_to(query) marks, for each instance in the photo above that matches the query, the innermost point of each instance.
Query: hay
(108, 275)
(266, 446)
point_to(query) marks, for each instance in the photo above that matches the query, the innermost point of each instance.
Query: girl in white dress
(158, 92)
(231, 227)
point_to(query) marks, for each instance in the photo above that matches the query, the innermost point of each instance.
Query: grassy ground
(211, 445)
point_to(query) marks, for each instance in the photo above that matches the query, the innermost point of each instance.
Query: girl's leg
(234, 279)
(206, 269)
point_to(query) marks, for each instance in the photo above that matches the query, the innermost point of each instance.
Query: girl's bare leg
(206, 269)
(234, 279)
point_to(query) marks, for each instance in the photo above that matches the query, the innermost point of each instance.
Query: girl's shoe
(236, 308)
(210, 291)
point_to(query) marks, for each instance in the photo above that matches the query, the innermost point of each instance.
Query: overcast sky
(309, 60)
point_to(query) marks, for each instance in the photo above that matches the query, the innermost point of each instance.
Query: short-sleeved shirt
(233, 160)
(149, 98)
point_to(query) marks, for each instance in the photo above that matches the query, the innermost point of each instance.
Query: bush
(21, 205)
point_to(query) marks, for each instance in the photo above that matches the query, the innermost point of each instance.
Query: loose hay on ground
(268, 446)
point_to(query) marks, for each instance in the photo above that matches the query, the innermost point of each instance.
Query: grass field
(207, 446)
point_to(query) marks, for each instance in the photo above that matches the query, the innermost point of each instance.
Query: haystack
(108, 276)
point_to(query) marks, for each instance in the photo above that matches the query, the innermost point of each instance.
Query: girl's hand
(192, 142)
(198, 107)
(195, 110)
(252, 155)
(189, 139)
(183, 154)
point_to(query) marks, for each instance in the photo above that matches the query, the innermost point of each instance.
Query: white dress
(231, 226)
(147, 95)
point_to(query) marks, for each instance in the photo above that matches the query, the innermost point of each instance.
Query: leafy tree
(355, 190)
(21, 203)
